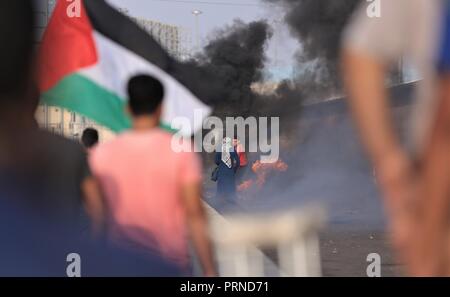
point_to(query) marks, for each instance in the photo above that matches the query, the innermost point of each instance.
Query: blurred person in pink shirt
(152, 193)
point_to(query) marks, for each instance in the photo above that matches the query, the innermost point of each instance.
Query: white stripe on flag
(117, 65)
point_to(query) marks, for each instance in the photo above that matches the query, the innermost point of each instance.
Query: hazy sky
(216, 14)
(180, 13)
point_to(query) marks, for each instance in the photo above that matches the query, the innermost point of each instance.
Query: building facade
(174, 39)
(166, 35)
(42, 11)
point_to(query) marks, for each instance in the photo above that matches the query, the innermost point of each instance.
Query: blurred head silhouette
(16, 51)
(18, 95)
(89, 138)
(146, 94)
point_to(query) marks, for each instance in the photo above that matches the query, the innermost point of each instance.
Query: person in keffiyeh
(228, 162)
(226, 149)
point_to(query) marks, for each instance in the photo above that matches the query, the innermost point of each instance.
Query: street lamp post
(197, 13)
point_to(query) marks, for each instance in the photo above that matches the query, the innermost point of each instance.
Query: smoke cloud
(318, 26)
(234, 59)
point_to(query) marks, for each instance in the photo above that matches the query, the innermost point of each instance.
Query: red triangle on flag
(67, 46)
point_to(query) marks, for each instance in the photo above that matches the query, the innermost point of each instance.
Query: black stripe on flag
(122, 30)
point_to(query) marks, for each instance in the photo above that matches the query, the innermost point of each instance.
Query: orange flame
(262, 171)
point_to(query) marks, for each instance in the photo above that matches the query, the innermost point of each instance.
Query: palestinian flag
(85, 64)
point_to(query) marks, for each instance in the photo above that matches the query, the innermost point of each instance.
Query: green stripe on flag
(81, 95)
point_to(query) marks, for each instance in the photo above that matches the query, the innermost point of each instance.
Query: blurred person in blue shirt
(45, 181)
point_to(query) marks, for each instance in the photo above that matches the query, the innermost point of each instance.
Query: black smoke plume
(232, 61)
(318, 26)
(230, 64)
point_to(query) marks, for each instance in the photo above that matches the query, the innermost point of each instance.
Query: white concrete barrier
(292, 235)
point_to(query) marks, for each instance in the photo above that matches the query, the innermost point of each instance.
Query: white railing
(293, 237)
